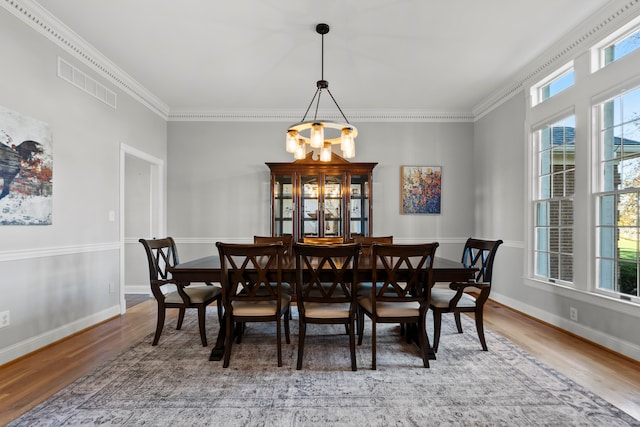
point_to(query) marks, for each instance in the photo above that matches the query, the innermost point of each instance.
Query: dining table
(207, 269)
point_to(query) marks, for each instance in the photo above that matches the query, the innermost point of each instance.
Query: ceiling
(380, 55)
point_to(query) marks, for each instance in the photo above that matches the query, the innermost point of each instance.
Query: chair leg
(360, 314)
(423, 339)
(373, 344)
(352, 343)
(220, 312)
(480, 328)
(239, 331)
(159, 325)
(458, 322)
(301, 335)
(437, 323)
(287, 316)
(201, 323)
(279, 340)
(228, 342)
(180, 318)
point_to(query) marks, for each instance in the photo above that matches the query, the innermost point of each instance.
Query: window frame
(598, 50)
(598, 190)
(535, 175)
(537, 89)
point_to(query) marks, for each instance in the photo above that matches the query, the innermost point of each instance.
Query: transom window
(622, 47)
(553, 201)
(553, 84)
(618, 221)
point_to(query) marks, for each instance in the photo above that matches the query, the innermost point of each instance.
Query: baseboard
(137, 289)
(617, 345)
(35, 343)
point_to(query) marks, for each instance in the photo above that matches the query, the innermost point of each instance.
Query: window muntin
(553, 204)
(618, 220)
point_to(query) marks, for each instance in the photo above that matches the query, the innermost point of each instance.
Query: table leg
(218, 349)
(412, 334)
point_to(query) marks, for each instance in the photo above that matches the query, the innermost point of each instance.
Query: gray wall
(65, 277)
(500, 144)
(218, 183)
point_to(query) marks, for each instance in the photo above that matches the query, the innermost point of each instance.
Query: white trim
(568, 48)
(138, 289)
(294, 116)
(553, 76)
(22, 254)
(14, 351)
(597, 50)
(618, 345)
(158, 191)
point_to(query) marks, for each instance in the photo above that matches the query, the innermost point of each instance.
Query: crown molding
(53, 29)
(294, 117)
(602, 23)
(610, 17)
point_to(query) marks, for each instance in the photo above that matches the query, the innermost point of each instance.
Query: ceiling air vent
(79, 79)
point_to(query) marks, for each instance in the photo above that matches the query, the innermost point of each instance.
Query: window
(619, 44)
(617, 50)
(618, 219)
(556, 86)
(553, 200)
(553, 84)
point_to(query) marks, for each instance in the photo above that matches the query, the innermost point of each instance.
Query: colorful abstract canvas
(420, 189)
(26, 170)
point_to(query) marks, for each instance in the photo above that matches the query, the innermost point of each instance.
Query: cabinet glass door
(309, 203)
(283, 206)
(359, 205)
(333, 212)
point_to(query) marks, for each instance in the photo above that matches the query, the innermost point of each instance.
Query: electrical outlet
(4, 319)
(573, 314)
(112, 288)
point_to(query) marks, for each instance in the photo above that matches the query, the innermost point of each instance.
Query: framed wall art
(420, 189)
(26, 170)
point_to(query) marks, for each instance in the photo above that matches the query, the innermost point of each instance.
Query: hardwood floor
(33, 378)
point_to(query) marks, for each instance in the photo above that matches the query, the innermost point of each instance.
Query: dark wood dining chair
(456, 299)
(326, 280)
(366, 243)
(162, 255)
(286, 240)
(403, 277)
(252, 290)
(333, 240)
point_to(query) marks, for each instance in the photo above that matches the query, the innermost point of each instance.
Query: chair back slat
(248, 271)
(481, 254)
(403, 272)
(326, 273)
(287, 241)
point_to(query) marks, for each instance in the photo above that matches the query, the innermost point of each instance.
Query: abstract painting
(26, 170)
(420, 189)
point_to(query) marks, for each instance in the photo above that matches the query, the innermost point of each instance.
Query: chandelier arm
(315, 116)
(339, 109)
(310, 104)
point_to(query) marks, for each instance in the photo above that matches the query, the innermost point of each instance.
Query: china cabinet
(314, 198)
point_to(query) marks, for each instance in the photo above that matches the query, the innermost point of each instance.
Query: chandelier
(321, 134)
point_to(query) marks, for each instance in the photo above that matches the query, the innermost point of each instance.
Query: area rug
(175, 384)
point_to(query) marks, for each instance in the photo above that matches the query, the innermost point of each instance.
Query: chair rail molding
(32, 253)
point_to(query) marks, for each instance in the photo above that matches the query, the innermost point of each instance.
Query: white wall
(55, 279)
